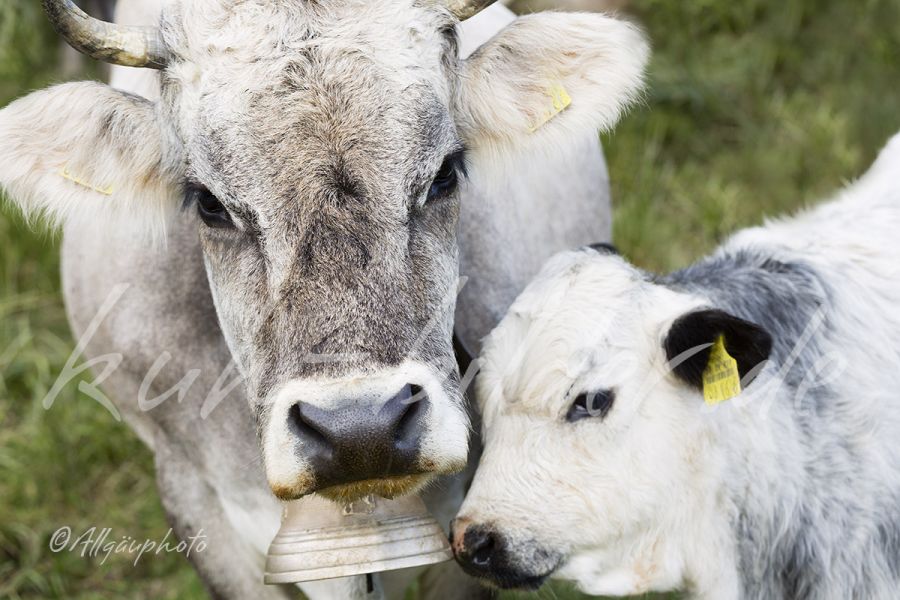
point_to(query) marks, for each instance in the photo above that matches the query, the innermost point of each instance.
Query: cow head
(323, 146)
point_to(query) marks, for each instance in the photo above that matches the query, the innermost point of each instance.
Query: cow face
(324, 147)
(325, 165)
(600, 461)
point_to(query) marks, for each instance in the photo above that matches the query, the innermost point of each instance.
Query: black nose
(363, 440)
(476, 547)
(486, 553)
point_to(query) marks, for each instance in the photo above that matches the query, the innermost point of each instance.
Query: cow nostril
(314, 439)
(482, 550)
(411, 425)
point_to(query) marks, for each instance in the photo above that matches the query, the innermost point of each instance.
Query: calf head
(599, 456)
(324, 146)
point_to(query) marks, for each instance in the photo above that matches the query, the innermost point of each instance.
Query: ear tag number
(559, 100)
(66, 174)
(721, 379)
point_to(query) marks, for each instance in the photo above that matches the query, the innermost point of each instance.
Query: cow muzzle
(363, 445)
(369, 436)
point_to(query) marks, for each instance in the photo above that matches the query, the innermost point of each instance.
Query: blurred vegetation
(72, 465)
(27, 47)
(754, 108)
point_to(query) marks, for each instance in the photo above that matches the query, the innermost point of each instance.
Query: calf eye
(447, 178)
(211, 211)
(591, 404)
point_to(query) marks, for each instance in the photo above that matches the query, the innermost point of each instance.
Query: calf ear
(86, 152)
(548, 77)
(605, 248)
(690, 339)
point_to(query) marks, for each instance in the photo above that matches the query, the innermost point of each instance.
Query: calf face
(323, 146)
(597, 453)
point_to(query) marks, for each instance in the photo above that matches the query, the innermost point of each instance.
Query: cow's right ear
(87, 152)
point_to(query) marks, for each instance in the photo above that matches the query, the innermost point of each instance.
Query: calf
(604, 465)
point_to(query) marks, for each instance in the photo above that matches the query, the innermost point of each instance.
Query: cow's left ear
(548, 78)
(690, 339)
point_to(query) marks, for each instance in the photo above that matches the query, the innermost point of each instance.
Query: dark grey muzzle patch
(364, 440)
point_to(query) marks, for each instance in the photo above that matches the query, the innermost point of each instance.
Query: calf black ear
(747, 342)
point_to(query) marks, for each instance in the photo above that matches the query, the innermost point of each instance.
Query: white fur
(646, 499)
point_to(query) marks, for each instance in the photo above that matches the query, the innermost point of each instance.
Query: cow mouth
(388, 487)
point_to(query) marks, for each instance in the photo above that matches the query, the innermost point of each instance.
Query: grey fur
(782, 297)
(207, 462)
(832, 534)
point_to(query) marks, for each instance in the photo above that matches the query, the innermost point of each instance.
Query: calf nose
(475, 546)
(362, 441)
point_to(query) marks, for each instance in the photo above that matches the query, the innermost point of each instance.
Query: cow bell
(367, 536)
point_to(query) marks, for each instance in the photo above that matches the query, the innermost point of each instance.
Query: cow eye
(591, 404)
(212, 212)
(447, 178)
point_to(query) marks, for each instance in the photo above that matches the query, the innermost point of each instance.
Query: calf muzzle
(484, 552)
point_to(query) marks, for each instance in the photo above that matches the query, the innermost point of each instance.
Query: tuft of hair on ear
(690, 339)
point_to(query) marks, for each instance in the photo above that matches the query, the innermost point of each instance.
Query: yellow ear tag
(66, 174)
(721, 379)
(559, 101)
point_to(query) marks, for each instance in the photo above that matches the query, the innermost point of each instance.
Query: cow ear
(548, 78)
(86, 152)
(689, 342)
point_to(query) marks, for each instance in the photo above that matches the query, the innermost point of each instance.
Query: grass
(755, 108)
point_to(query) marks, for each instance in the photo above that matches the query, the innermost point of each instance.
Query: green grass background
(754, 108)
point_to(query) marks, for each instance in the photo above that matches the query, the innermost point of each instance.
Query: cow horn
(465, 9)
(116, 44)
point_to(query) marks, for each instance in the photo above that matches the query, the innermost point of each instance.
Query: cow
(731, 429)
(264, 233)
